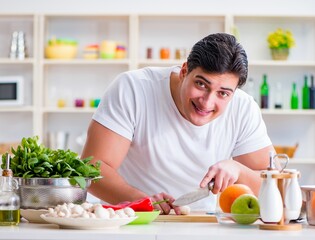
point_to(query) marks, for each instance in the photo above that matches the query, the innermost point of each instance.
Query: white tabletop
(155, 231)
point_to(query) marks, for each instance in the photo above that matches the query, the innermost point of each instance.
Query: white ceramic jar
(270, 200)
(293, 196)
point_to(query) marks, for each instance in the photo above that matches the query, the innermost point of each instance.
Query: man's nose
(208, 100)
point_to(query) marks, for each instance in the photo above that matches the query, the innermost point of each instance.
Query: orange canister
(164, 53)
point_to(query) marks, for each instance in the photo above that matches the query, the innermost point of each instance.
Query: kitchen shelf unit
(54, 79)
(11, 126)
(84, 76)
(285, 126)
(79, 77)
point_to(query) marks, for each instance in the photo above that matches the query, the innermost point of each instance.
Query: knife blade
(194, 196)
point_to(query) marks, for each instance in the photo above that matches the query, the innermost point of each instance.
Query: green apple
(246, 209)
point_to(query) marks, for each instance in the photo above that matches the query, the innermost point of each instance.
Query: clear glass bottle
(9, 200)
(278, 96)
(250, 88)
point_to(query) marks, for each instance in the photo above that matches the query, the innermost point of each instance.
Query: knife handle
(211, 185)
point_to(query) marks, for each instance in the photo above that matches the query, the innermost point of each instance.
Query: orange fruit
(313, 201)
(229, 194)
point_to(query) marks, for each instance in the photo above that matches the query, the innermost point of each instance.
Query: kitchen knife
(194, 196)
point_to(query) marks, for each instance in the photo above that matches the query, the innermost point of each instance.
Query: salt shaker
(293, 196)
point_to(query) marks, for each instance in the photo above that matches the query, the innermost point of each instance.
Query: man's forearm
(112, 188)
(250, 177)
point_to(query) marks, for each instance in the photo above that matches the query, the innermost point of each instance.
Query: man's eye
(200, 84)
(224, 94)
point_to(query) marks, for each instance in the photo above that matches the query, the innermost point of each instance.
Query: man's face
(204, 96)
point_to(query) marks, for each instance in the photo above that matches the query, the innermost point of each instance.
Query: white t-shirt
(168, 153)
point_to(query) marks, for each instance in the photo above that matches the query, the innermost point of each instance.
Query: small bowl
(236, 219)
(145, 217)
(61, 52)
(308, 193)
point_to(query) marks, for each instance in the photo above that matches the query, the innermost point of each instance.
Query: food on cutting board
(229, 194)
(245, 209)
(184, 210)
(144, 204)
(88, 210)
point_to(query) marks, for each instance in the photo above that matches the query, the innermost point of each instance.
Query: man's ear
(183, 71)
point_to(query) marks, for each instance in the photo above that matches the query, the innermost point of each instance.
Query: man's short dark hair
(219, 53)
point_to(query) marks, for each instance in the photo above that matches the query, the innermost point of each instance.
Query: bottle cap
(7, 172)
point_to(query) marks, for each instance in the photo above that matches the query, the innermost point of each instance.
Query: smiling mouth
(200, 111)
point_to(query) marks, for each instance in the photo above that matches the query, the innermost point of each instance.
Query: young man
(162, 132)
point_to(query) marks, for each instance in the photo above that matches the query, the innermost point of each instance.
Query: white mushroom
(86, 205)
(129, 212)
(121, 213)
(101, 212)
(77, 209)
(85, 214)
(184, 210)
(111, 212)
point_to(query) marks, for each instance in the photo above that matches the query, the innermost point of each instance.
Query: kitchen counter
(154, 231)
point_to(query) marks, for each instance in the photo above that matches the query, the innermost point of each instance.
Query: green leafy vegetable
(31, 159)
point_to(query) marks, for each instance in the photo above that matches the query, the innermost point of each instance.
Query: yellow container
(61, 51)
(108, 49)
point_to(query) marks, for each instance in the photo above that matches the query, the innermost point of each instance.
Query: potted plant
(280, 42)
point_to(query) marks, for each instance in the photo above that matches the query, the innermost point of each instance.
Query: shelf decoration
(61, 48)
(280, 42)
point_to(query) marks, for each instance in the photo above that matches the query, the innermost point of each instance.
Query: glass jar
(165, 53)
(9, 202)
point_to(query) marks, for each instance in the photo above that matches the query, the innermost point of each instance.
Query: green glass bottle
(312, 93)
(264, 93)
(305, 94)
(294, 97)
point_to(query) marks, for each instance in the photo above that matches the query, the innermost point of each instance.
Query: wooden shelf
(301, 112)
(17, 61)
(17, 109)
(86, 62)
(69, 110)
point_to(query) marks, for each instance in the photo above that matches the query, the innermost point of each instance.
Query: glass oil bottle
(9, 200)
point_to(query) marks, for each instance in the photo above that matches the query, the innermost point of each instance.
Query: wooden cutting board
(191, 217)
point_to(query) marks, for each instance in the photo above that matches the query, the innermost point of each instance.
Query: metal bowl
(309, 198)
(42, 193)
